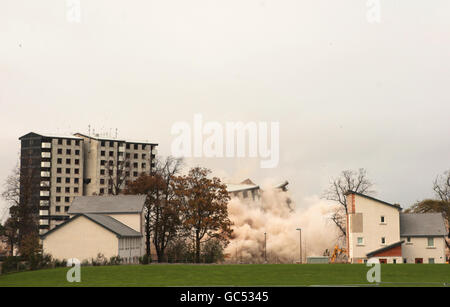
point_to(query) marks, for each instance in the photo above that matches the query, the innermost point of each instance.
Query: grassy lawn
(231, 275)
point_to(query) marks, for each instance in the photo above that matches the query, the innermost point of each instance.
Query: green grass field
(234, 275)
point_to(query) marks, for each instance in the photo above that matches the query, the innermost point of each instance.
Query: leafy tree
(146, 185)
(161, 212)
(180, 250)
(203, 208)
(18, 191)
(212, 251)
(431, 206)
(2, 237)
(348, 181)
(10, 232)
(30, 246)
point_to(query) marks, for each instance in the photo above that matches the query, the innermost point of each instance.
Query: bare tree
(441, 186)
(166, 218)
(339, 218)
(118, 173)
(161, 214)
(11, 192)
(349, 180)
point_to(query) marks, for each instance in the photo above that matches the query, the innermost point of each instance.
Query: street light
(300, 230)
(265, 247)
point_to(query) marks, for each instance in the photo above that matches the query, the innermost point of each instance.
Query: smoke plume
(272, 215)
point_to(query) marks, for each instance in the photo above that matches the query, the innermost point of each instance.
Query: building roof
(373, 198)
(283, 185)
(422, 224)
(107, 222)
(50, 135)
(240, 187)
(248, 185)
(97, 137)
(113, 225)
(107, 204)
(383, 249)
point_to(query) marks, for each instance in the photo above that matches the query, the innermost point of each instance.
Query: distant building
(67, 166)
(244, 190)
(247, 190)
(109, 225)
(378, 230)
(126, 159)
(55, 165)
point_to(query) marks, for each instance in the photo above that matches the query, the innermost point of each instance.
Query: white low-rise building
(423, 237)
(377, 230)
(107, 225)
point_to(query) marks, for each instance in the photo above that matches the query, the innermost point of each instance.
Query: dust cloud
(274, 215)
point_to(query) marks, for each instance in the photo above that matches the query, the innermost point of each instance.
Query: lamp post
(300, 230)
(265, 247)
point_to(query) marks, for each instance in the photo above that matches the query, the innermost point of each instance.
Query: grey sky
(347, 93)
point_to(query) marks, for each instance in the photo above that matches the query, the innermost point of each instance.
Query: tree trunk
(147, 244)
(160, 253)
(160, 256)
(147, 236)
(197, 247)
(163, 255)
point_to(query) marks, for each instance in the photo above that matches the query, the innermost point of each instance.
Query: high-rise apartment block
(60, 168)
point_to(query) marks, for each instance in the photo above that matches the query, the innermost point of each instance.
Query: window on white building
(360, 240)
(431, 260)
(383, 240)
(430, 242)
(382, 219)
